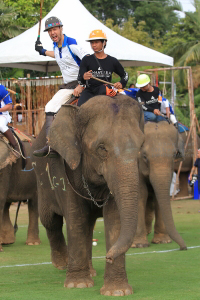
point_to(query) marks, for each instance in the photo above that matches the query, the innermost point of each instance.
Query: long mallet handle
(11, 91)
(108, 83)
(41, 2)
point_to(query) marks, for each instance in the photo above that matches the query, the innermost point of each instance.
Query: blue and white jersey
(68, 58)
(4, 99)
(165, 103)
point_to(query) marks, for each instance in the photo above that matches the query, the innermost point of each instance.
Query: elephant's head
(162, 142)
(104, 137)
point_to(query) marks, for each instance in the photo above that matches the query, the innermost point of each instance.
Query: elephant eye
(101, 150)
(145, 157)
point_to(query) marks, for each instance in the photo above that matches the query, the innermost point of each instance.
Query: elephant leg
(79, 244)
(140, 238)
(4, 183)
(53, 224)
(115, 278)
(8, 236)
(33, 229)
(160, 233)
(149, 214)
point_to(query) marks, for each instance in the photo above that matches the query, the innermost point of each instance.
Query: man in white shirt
(167, 110)
(68, 55)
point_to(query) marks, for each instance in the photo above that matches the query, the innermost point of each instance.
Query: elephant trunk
(125, 191)
(161, 184)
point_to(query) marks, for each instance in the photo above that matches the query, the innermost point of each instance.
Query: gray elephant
(98, 144)
(186, 166)
(156, 165)
(17, 185)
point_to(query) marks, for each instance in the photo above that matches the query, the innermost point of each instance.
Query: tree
(8, 28)
(185, 42)
(28, 11)
(158, 15)
(117, 10)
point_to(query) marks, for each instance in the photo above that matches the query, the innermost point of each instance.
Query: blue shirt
(197, 164)
(4, 99)
(133, 92)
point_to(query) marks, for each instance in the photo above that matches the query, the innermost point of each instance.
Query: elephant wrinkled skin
(99, 140)
(156, 165)
(17, 185)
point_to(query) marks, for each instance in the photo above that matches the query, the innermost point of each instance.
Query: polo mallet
(108, 83)
(12, 92)
(39, 29)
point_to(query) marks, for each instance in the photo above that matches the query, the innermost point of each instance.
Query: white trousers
(172, 119)
(4, 120)
(58, 99)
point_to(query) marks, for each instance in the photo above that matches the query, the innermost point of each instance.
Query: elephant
(17, 184)
(95, 173)
(186, 166)
(156, 165)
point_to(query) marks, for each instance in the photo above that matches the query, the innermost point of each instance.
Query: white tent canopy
(19, 52)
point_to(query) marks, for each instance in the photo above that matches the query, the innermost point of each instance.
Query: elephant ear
(63, 138)
(7, 157)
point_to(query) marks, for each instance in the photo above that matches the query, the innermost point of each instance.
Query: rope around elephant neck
(85, 185)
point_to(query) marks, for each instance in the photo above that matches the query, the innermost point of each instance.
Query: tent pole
(172, 91)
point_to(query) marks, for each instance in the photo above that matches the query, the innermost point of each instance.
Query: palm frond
(178, 50)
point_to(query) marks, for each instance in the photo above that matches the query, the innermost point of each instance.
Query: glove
(110, 91)
(39, 48)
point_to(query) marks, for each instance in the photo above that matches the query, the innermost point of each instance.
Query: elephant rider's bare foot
(33, 241)
(59, 260)
(80, 283)
(140, 243)
(93, 272)
(123, 289)
(161, 238)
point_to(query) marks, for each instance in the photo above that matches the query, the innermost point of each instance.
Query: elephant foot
(123, 289)
(93, 272)
(8, 237)
(59, 260)
(80, 283)
(140, 243)
(160, 238)
(7, 240)
(33, 242)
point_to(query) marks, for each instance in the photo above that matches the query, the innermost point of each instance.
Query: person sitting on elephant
(196, 169)
(68, 55)
(149, 95)
(101, 66)
(5, 118)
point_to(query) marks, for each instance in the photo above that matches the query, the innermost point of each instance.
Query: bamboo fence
(28, 104)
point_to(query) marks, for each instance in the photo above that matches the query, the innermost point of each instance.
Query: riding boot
(46, 150)
(8, 134)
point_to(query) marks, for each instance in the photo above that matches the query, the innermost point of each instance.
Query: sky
(187, 6)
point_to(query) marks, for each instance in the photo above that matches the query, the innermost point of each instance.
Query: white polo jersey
(68, 58)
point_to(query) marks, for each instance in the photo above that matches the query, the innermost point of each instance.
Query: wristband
(42, 52)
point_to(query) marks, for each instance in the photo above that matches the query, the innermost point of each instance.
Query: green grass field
(26, 271)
